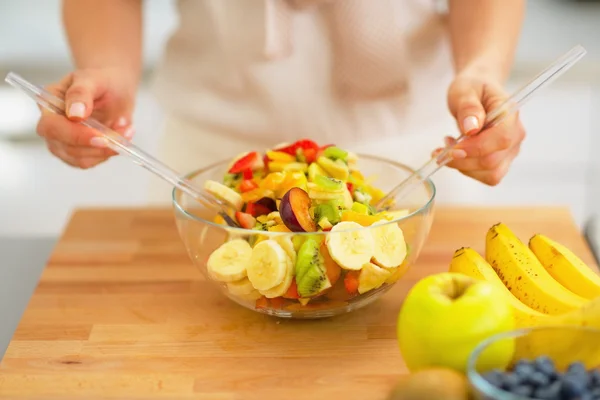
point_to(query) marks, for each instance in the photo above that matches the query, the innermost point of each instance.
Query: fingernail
(128, 134)
(470, 123)
(121, 122)
(458, 154)
(98, 142)
(77, 110)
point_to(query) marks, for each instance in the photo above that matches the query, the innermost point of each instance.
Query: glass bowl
(202, 234)
(563, 345)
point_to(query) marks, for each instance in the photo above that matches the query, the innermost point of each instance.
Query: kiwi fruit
(311, 274)
(432, 383)
(329, 211)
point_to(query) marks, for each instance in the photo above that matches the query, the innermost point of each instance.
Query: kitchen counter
(121, 312)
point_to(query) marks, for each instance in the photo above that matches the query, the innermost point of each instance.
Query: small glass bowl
(201, 236)
(562, 344)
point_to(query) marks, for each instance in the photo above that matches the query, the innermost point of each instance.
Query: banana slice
(229, 262)
(241, 287)
(351, 250)
(390, 246)
(371, 277)
(288, 246)
(283, 287)
(224, 193)
(268, 265)
(315, 192)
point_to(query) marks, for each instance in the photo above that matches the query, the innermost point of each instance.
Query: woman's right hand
(108, 95)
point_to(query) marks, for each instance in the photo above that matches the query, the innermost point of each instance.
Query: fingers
(82, 90)
(464, 101)
(494, 176)
(79, 157)
(57, 128)
(495, 139)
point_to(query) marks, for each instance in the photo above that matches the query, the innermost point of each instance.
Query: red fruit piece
(351, 282)
(310, 155)
(256, 210)
(262, 302)
(277, 302)
(304, 144)
(292, 292)
(247, 185)
(251, 161)
(350, 187)
(247, 174)
(245, 220)
(294, 213)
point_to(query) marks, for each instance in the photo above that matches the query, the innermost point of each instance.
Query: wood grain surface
(121, 312)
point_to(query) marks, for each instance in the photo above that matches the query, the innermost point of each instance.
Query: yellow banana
(523, 274)
(566, 345)
(469, 262)
(564, 266)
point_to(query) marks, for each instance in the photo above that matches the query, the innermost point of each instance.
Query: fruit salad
(319, 204)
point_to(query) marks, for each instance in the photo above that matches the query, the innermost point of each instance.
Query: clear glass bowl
(201, 236)
(562, 344)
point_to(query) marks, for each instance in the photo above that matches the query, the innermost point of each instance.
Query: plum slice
(294, 211)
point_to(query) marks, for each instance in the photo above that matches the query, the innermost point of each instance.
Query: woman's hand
(107, 95)
(487, 156)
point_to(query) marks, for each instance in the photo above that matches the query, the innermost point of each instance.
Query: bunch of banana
(545, 283)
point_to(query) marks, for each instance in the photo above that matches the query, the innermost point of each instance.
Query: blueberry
(524, 370)
(523, 390)
(495, 377)
(545, 365)
(595, 377)
(576, 367)
(572, 387)
(510, 381)
(538, 379)
(549, 392)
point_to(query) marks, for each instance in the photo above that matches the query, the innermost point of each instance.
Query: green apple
(445, 316)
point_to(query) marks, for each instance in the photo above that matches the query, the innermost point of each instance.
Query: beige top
(329, 69)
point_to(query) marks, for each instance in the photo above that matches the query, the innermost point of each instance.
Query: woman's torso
(334, 70)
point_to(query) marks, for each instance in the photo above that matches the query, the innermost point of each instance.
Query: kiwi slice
(329, 184)
(311, 274)
(231, 180)
(329, 211)
(335, 153)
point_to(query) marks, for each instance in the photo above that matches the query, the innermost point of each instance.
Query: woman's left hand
(487, 156)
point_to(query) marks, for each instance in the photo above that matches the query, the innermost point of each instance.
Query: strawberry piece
(310, 155)
(245, 220)
(351, 282)
(256, 210)
(292, 292)
(247, 174)
(251, 161)
(350, 187)
(247, 185)
(303, 144)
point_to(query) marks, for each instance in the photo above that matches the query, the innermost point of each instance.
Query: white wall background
(558, 164)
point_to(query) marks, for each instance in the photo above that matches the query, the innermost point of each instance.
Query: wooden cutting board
(121, 312)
